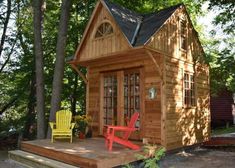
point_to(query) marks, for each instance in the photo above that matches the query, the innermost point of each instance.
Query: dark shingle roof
(138, 28)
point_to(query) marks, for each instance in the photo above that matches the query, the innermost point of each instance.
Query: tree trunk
(5, 25)
(74, 95)
(39, 69)
(60, 60)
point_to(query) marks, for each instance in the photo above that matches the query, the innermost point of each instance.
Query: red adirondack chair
(110, 136)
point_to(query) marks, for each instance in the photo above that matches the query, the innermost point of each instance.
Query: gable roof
(136, 28)
(139, 28)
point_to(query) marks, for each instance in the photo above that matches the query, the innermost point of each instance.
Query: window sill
(103, 37)
(189, 107)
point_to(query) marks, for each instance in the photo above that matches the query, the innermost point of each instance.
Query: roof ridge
(138, 28)
(161, 10)
(124, 8)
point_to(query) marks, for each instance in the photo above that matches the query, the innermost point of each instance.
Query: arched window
(103, 30)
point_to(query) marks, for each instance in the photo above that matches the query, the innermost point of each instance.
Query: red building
(221, 108)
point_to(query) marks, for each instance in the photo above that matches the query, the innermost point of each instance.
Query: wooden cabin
(153, 64)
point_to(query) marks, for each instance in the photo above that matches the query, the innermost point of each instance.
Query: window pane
(132, 93)
(183, 43)
(189, 90)
(110, 99)
(103, 30)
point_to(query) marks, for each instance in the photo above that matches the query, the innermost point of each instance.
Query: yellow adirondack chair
(62, 128)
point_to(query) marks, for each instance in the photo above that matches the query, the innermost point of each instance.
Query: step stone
(35, 161)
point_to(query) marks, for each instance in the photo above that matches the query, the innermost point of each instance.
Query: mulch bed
(8, 143)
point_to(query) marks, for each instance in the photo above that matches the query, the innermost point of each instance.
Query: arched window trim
(105, 35)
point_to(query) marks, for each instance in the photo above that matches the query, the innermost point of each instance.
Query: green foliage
(19, 75)
(222, 61)
(10, 123)
(127, 166)
(82, 122)
(147, 6)
(221, 51)
(224, 130)
(226, 16)
(152, 156)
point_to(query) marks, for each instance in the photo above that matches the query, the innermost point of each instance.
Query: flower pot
(81, 135)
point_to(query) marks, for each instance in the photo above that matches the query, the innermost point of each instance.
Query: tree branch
(5, 26)
(8, 105)
(9, 54)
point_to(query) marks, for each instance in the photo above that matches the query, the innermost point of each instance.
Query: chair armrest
(121, 128)
(105, 130)
(105, 127)
(72, 125)
(52, 125)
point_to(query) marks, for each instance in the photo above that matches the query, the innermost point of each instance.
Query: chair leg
(110, 145)
(71, 139)
(110, 138)
(51, 138)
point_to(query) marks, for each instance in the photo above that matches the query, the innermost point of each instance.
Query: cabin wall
(95, 48)
(186, 125)
(151, 109)
(183, 126)
(167, 39)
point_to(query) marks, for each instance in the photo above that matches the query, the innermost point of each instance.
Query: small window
(189, 90)
(103, 30)
(183, 35)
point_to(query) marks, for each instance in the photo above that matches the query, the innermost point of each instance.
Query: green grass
(224, 130)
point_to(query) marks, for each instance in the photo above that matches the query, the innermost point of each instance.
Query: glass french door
(121, 97)
(131, 95)
(110, 100)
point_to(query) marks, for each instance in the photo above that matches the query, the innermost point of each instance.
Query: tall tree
(39, 68)
(226, 14)
(60, 59)
(222, 51)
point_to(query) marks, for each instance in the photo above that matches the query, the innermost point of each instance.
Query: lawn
(223, 130)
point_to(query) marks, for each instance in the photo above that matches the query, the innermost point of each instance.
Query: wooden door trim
(101, 104)
(142, 100)
(120, 100)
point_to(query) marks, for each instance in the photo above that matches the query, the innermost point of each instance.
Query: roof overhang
(130, 54)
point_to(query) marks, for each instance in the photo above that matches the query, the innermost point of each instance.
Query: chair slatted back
(131, 124)
(63, 119)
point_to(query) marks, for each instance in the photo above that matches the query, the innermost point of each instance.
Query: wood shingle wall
(182, 126)
(151, 109)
